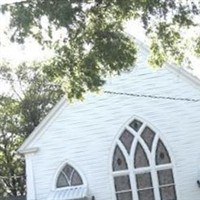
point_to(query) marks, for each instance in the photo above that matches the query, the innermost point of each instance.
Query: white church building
(137, 140)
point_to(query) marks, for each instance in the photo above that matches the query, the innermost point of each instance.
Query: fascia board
(50, 116)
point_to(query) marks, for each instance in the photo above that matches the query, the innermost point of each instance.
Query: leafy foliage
(88, 40)
(12, 168)
(90, 46)
(31, 97)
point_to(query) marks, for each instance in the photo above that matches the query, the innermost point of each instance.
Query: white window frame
(59, 170)
(152, 168)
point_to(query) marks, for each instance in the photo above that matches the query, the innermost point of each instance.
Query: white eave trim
(29, 151)
(178, 70)
(186, 75)
(39, 128)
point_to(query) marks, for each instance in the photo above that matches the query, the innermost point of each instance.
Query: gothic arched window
(68, 177)
(142, 167)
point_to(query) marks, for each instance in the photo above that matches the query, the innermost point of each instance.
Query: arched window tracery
(142, 167)
(68, 177)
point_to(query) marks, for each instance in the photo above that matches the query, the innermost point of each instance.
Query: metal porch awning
(70, 193)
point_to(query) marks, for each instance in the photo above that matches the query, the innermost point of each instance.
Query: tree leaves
(20, 113)
(91, 45)
(88, 40)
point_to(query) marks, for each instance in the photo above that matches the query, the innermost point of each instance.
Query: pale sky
(9, 1)
(15, 53)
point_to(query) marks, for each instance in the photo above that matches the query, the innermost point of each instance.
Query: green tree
(12, 168)
(91, 42)
(31, 97)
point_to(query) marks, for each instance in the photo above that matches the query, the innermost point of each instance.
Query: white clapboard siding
(84, 133)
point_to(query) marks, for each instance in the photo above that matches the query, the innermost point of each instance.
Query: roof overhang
(69, 193)
(28, 151)
(24, 148)
(178, 70)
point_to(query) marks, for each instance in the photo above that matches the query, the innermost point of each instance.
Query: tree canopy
(31, 97)
(88, 39)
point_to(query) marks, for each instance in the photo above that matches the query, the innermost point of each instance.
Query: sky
(13, 53)
(9, 1)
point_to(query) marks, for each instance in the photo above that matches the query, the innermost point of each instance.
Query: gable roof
(180, 72)
(49, 117)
